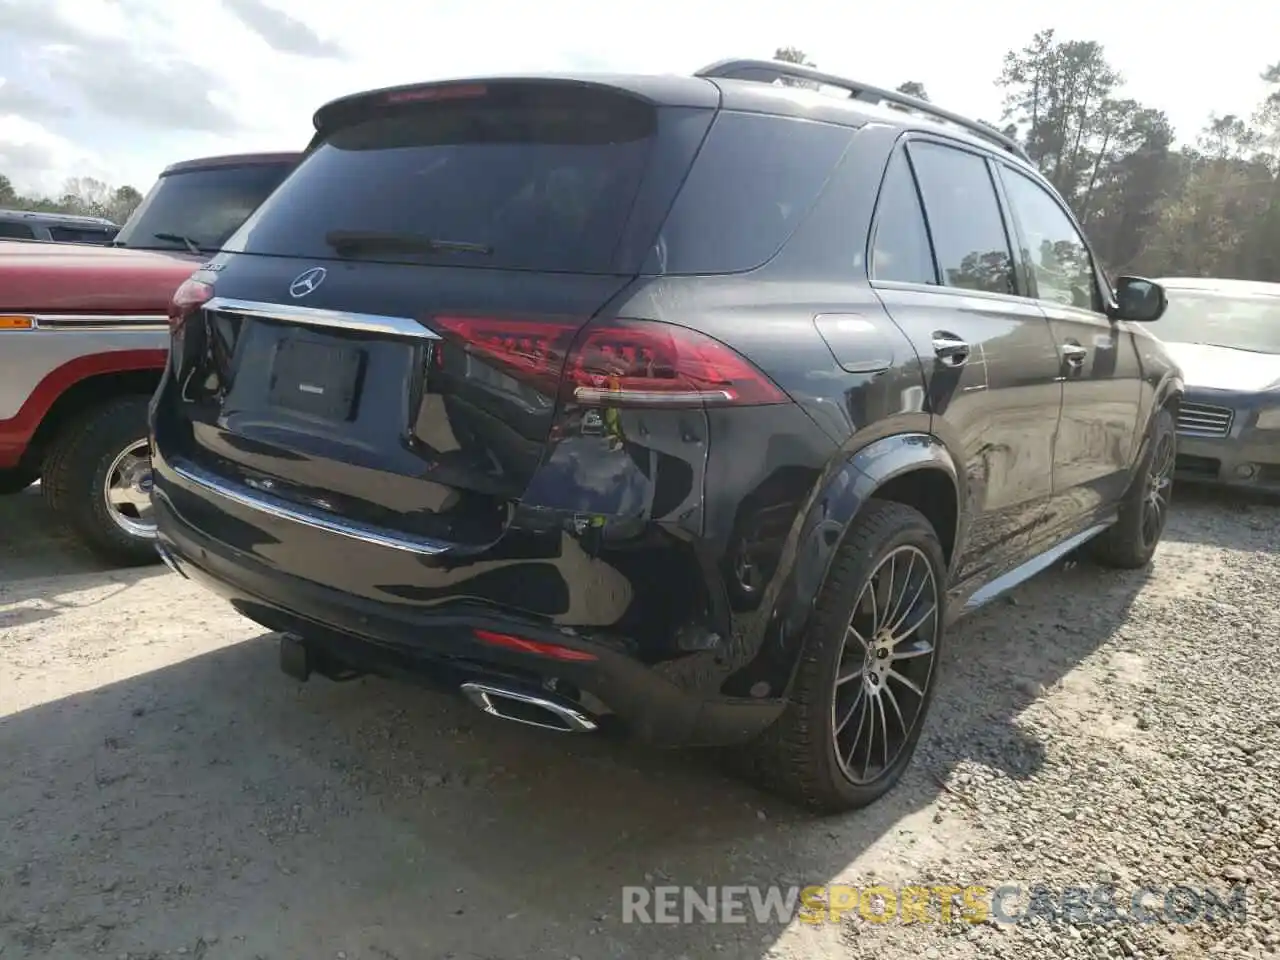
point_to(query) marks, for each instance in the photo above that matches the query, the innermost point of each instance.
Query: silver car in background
(1225, 334)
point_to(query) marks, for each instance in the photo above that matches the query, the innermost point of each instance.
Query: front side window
(964, 217)
(1058, 256)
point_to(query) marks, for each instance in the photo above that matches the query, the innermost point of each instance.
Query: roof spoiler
(232, 160)
(770, 71)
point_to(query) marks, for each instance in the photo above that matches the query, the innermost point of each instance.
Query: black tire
(75, 470)
(15, 481)
(1131, 542)
(796, 757)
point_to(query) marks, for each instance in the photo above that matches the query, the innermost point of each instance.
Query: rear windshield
(206, 206)
(535, 177)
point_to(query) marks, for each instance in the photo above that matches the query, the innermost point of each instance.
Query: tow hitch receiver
(299, 660)
(295, 658)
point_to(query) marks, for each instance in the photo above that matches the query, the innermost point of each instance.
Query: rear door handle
(1074, 353)
(949, 348)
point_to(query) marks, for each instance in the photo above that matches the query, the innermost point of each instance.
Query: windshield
(540, 184)
(1250, 322)
(206, 206)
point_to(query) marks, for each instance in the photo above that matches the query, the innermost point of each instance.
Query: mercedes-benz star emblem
(307, 281)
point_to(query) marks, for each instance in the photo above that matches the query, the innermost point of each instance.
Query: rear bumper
(414, 642)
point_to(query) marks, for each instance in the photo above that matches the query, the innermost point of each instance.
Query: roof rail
(57, 217)
(769, 71)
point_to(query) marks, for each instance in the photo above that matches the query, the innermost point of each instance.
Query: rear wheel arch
(931, 489)
(913, 469)
(81, 397)
(104, 446)
(918, 470)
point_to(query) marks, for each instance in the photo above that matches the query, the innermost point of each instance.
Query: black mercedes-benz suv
(692, 406)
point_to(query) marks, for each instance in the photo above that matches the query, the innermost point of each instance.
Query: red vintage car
(83, 342)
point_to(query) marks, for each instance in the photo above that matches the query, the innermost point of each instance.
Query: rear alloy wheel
(97, 479)
(868, 666)
(885, 666)
(1132, 540)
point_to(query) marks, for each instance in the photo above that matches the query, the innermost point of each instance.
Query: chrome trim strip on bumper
(316, 317)
(88, 321)
(282, 509)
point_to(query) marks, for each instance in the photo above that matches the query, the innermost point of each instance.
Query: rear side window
(16, 231)
(900, 250)
(78, 235)
(968, 231)
(537, 177)
(754, 180)
(207, 206)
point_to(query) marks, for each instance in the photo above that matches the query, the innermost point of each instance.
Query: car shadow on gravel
(27, 602)
(44, 570)
(1220, 517)
(216, 800)
(34, 544)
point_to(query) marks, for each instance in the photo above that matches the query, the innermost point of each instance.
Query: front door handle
(1074, 353)
(949, 348)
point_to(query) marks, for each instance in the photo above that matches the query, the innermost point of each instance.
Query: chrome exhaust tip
(527, 708)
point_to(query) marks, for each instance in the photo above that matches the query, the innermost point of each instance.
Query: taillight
(618, 363)
(530, 350)
(643, 362)
(191, 296)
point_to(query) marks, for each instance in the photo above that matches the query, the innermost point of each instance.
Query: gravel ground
(167, 792)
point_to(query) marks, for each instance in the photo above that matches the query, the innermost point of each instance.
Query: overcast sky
(117, 89)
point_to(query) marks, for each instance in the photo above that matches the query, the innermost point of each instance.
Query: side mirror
(1139, 300)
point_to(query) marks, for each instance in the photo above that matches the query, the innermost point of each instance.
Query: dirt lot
(164, 790)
